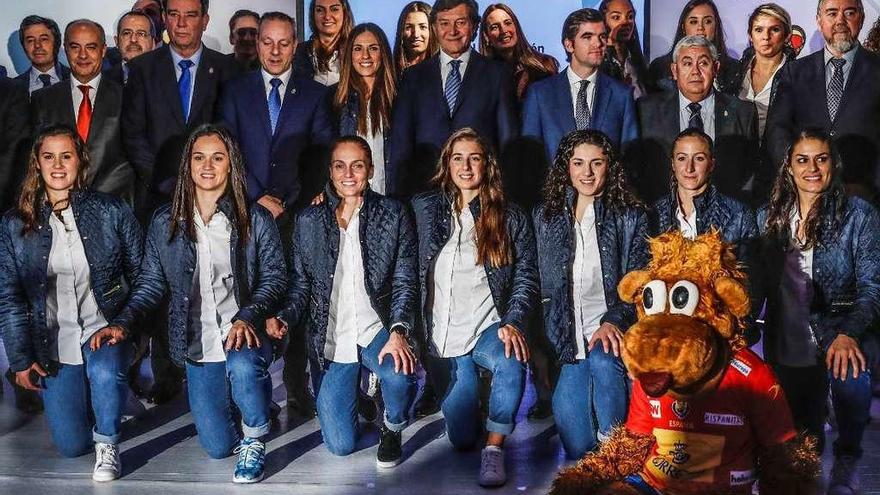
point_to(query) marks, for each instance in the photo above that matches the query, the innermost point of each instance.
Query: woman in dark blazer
(220, 262)
(318, 58)
(478, 283)
(821, 268)
(591, 231)
(67, 258)
(352, 274)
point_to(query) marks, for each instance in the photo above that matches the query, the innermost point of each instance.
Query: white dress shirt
(330, 77)
(574, 84)
(195, 59)
(351, 321)
(34, 82)
(377, 149)
(462, 304)
(212, 298)
(445, 68)
(282, 88)
(588, 290)
(78, 94)
(796, 345)
(707, 112)
(762, 98)
(70, 303)
(687, 224)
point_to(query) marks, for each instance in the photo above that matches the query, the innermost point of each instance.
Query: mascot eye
(683, 298)
(654, 297)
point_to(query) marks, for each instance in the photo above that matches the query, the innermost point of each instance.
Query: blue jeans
(212, 387)
(337, 388)
(457, 384)
(590, 399)
(807, 391)
(75, 392)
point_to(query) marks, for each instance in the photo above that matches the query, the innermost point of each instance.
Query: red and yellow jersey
(710, 441)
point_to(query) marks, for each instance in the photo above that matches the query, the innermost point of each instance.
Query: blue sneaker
(251, 457)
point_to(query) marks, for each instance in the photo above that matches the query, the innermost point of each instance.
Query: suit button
(272, 165)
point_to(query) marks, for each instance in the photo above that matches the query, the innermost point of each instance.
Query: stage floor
(161, 455)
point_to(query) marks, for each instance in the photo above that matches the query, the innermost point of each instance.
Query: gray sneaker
(492, 467)
(844, 476)
(107, 464)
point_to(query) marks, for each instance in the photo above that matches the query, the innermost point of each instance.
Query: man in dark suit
(580, 97)
(135, 35)
(456, 88)
(732, 123)
(280, 118)
(836, 89)
(14, 133)
(92, 104)
(41, 40)
(170, 91)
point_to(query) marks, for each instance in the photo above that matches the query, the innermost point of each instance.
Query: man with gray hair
(836, 89)
(732, 123)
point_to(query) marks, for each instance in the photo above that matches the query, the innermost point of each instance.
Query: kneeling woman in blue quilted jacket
(478, 283)
(353, 274)
(220, 262)
(591, 232)
(67, 258)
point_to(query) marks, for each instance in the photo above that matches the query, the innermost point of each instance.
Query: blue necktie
(184, 86)
(274, 103)
(453, 84)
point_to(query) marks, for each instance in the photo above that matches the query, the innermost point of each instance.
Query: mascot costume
(706, 414)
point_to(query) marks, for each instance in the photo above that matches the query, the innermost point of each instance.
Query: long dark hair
(33, 188)
(524, 54)
(401, 56)
(784, 198)
(183, 204)
(323, 55)
(493, 243)
(633, 46)
(719, 42)
(617, 195)
(378, 104)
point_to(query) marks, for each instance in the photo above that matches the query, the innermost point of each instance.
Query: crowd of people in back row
(372, 213)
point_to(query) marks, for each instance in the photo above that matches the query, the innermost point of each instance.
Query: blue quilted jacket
(388, 247)
(514, 287)
(623, 247)
(846, 276)
(258, 275)
(113, 243)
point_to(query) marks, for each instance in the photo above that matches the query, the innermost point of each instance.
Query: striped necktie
(453, 84)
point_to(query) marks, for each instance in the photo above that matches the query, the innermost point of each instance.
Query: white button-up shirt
(707, 112)
(212, 301)
(796, 345)
(34, 82)
(588, 291)
(282, 88)
(377, 149)
(462, 300)
(761, 99)
(574, 85)
(78, 94)
(687, 224)
(330, 77)
(445, 68)
(352, 321)
(70, 304)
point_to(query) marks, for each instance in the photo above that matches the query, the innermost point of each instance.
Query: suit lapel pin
(210, 70)
(293, 91)
(725, 113)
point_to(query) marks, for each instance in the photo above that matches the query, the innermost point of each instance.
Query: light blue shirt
(34, 82)
(195, 59)
(707, 112)
(849, 56)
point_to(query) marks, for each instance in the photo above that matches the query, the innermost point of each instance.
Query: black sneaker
(390, 453)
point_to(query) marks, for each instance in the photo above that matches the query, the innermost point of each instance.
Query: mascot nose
(656, 383)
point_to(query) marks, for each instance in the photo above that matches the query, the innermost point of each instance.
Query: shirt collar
(35, 73)
(195, 58)
(284, 76)
(705, 103)
(74, 83)
(445, 58)
(574, 79)
(849, 56)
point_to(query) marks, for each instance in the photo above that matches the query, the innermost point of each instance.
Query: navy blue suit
(273, 161)
(801, 102)
(25, 77)
(548, 113)
(421, 121)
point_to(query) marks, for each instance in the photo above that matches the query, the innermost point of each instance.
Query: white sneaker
(492, 467)
(107, 463)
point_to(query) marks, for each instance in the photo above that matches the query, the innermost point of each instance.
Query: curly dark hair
(617, 194)
(784, 198)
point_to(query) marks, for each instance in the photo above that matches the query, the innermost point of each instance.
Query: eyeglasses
(246, 32)
(139, 34)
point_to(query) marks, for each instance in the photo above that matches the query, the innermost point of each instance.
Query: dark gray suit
(736, 145)
(110, 171)
(14, 134)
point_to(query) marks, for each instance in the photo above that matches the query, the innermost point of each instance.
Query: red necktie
(84, 120)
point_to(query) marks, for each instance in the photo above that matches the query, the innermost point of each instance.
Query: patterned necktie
(184, 86)
(84, 119)
(835, 88)
(582, 112)
(696, 120)
(46, 79)
(453, 84)
(274, 103)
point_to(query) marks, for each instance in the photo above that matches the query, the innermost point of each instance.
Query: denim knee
(217, 451)
(243, 366)
(342, 446)
(605, 364)
(75, 447)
